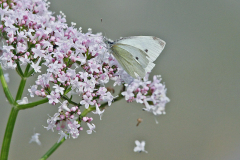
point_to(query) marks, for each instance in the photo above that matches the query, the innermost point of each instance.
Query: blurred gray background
(200, 67)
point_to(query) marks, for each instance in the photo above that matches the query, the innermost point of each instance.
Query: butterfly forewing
(152, 46)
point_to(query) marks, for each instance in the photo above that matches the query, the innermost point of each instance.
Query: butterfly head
(108, 42)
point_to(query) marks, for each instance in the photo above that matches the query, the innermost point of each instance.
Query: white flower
(87, 101)
(23, 101)
(6, 76)
(35, 138)
(58, 89)
(108, 97)
(91, 128)
(73, 128)
(52, 121)
(64, 106)
(139, 146)
(32, 90)
(62, 134)
(36, 66)
(53, 97)
(98, 111)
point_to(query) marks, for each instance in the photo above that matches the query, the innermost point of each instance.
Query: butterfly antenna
(104, 36)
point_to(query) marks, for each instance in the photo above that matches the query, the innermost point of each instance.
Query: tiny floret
(35, 138)
(140, 147)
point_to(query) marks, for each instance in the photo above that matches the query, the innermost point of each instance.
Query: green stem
(70, 101)
(30, 73)
(33, 104)
(51, 150)
(8, 133)
(19, 70)
(27, 69)
(5, 87)
(21, 88)
(22, 84)
(86, 111)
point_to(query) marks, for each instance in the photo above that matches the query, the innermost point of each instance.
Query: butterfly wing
(152, 46)
(140, 56)
(132, 64)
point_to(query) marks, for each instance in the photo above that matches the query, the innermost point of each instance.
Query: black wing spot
(146, 50)
(136, 58)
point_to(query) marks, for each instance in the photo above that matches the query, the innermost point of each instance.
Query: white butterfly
(137, 53)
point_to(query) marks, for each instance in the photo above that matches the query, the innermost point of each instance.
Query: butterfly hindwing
(140, 56)
(128, 61)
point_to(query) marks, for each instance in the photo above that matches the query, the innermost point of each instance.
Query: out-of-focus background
(200, 67)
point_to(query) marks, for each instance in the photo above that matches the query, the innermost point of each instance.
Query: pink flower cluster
(151, 94)
(77, 64)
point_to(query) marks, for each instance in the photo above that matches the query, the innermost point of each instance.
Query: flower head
(79, 66)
